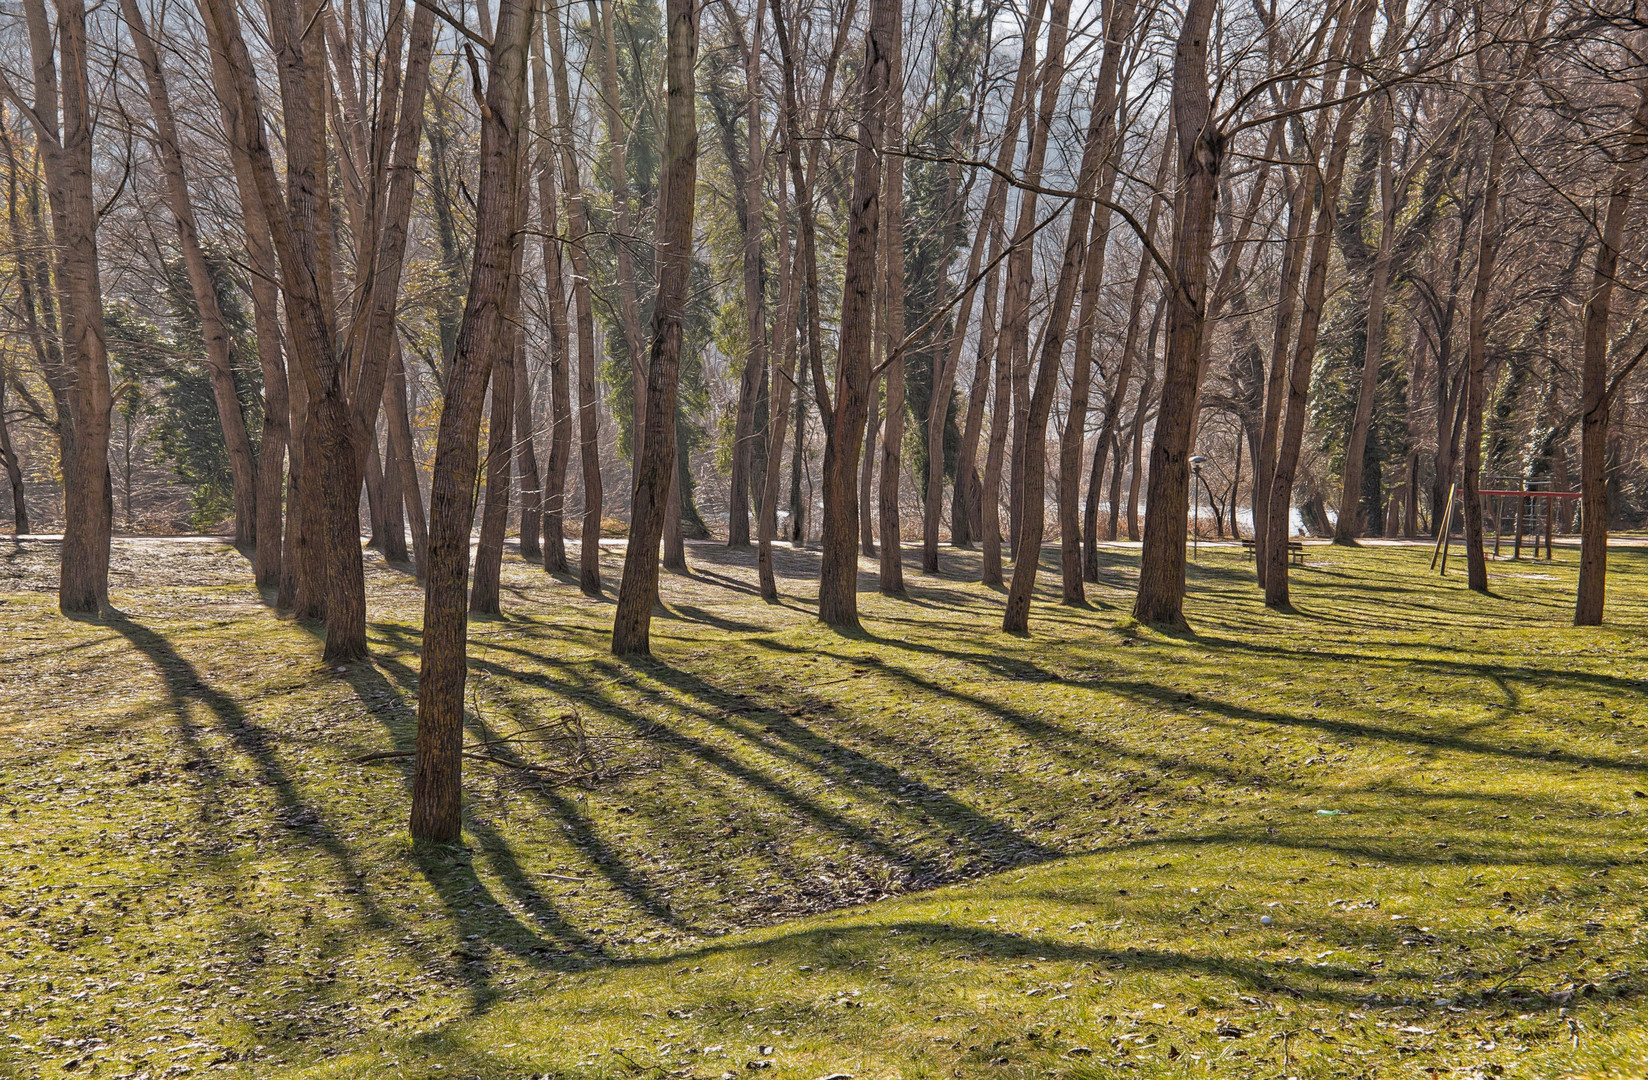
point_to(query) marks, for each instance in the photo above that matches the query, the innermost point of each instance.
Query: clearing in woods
(930, 850)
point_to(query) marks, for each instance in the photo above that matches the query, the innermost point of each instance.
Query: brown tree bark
(1349, 526)
(1160, 598)
(1124, 375)
(784, 377)
(838, 580)
(1001, 411)
(656, 468)
(589, 544)
(1596, 390)
(605, 48)
(400, 449)
(14, 470)
(526, 458)
(892, 325)
(1476, 344)
(866, 466)
(1280, 490)
(277, 507)
(1015, 322)
(1073, 440)
(1078, 264)
(489, 552)
(482, 345)
(755, 318)
(552, 497)
(66, 153)
(219, 365)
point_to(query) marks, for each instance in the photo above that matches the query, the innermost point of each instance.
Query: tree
(844, 419)
(655, 473)
(483, 344)
(1160, 597)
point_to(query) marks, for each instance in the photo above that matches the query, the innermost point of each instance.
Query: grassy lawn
(1399, 833)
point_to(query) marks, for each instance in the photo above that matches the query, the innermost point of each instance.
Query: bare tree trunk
(755, 319)
(838, 580)
(1083, 266)
(990, 506)
(482, 345)
(589, 544)
(1073, 440)
(1280, 490)
(1596, 390)
(219, 365)
(270, 565)
(629, 313)
(1301, 206)
(963, 504)
(656, 469)
(88, 507)
(1015, 324)
(394, 509)
(1349, 527)
(1141, 413)
(802, 182)
(489, 553)
(552, 497)
(1124, 375)
(526, 454)
(866, 466)
(784, 342)
(400, 449)
(892, 325)
(14, 470)
(1160, 598)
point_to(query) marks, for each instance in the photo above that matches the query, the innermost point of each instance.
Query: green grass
(930, 850)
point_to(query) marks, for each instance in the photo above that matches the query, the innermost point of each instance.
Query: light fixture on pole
(1195, 486)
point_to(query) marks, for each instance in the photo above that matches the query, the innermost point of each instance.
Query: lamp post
(1195, 486)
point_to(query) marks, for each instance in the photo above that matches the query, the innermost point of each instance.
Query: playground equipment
(1527, 496)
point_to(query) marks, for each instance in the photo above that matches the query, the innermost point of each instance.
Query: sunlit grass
(927, 850)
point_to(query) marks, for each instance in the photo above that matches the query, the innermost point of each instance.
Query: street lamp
(1195, 486)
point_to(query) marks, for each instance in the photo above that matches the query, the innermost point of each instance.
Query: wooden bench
(1296, 550)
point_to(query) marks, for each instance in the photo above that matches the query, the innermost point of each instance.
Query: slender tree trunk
(867, 472)
(489, 553)
(755, 319)
(270, 566)
(1595, 390)
(838, 580)
(14, 471)
(1124, 375)
(1160, 597)
(1016, 310)
(892, 326)
(767, 521)
(629, 313)
(1349, 527)
(1280, 492)
(1082, 267)
(88, 514)
(553, 490)
(1141, 414)
(964, 503)
(483, 344)
(526, 453)
(400, 449)
(990, 506)
(219, 364)
(589, 544)
(656, 470)
(1301, 205)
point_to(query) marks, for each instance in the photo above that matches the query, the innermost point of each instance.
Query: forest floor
(1399, 832)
